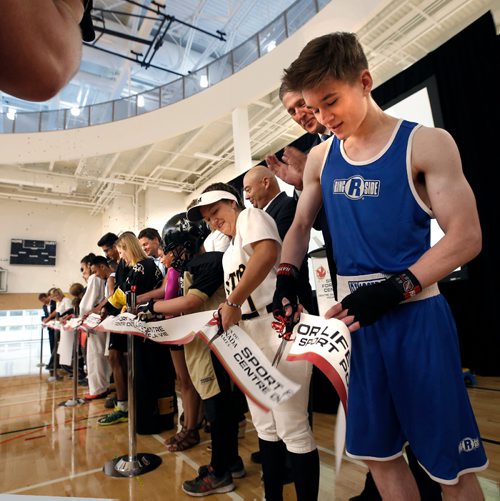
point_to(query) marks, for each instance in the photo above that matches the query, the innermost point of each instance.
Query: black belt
(255, 314)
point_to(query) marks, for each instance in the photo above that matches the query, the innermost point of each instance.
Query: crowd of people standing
(371, 184)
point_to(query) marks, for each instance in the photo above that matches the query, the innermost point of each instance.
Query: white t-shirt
(64, 305)
(216, 242)
(253, 225)
(93, 294)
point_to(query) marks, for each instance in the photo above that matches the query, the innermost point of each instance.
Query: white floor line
(55, 481)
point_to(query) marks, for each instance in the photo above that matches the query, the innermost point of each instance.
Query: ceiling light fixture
(75, 111)
(271, 45)
(204, 81)
(11, 113)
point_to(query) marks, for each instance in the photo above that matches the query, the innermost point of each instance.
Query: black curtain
(465, 70)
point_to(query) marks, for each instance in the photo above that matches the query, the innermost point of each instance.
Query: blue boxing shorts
(406, 386)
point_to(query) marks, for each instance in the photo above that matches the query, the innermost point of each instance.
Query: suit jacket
(282, 210)
(48, 309)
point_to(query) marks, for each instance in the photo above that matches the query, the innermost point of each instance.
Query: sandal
(185, 439)
(175, 438)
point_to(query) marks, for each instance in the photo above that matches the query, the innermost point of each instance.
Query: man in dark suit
(262, 190)
(48, 306)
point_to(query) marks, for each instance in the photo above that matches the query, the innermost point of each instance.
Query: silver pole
(132, 439)
(75, 400)
(134, 463)
(41, 364)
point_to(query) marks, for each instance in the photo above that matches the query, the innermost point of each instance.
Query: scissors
(217, 316)
(284, 327)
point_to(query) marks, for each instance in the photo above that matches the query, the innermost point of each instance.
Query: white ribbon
(72, 324)
(247, 366)
(178, 330)
(327, 344)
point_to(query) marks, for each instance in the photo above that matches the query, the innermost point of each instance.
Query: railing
(249, 51)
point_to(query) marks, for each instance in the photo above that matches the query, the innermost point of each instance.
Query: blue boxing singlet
(377, 221)
(405, 383)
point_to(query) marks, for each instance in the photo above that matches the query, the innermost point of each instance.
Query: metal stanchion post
(41, 364)
(133, 463)
(74, 401)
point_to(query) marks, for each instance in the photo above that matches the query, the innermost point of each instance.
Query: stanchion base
(52, 379)
(40, 365)
(72, 403)
(125, 466)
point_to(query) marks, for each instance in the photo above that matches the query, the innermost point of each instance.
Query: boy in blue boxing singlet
(381, 180)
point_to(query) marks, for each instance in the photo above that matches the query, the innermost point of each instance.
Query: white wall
(122, 214)
(74, 231)
(160, 206)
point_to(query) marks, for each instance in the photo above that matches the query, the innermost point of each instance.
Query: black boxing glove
(286, 287)
(370, 302)
(146, 313)
(144, 307)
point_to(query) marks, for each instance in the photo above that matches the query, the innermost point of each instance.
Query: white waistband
(349, 283)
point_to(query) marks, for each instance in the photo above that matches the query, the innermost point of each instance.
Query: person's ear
(366, 81)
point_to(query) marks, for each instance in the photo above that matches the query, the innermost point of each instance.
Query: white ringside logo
(356, 187)
(468, 444)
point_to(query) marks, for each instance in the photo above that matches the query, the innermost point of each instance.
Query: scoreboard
(39, 252)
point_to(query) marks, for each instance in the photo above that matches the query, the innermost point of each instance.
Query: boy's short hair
(99, 260)
(109, 239)
(42, 295)
(337, 55)
(150, 233)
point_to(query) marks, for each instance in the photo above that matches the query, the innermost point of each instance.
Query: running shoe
(208, 483)
(115, 417)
